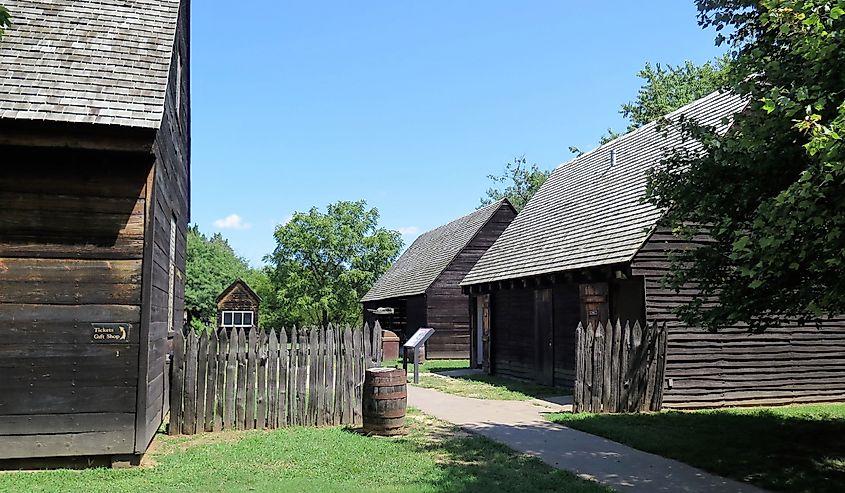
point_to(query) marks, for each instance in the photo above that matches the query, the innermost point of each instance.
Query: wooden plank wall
(566, 318)
(619, 367)
(447, 305)
(235, 379)
(512, 333)
(783, 365)
(71, 249)
(238, 299)
(396, 323)
(169, 200)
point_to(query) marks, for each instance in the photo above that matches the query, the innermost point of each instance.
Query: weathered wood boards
(619, 368)
(246, 380)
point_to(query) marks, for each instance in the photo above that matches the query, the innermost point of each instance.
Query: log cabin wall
(783, 365)
(447, 305)
(169, 206)
(71, 250)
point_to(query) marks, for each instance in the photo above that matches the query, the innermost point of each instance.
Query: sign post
(416, 342)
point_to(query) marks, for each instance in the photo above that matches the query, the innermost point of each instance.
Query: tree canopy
(5, 20)
(771, 191)
(518, 183)
(324, 263)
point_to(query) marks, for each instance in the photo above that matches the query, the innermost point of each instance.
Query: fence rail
(229, 380)
(619, 368)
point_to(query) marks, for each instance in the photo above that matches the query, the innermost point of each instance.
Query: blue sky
(409, 105)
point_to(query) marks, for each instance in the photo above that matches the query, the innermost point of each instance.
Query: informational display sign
(110, 333)
(419, 338)
(415, 343)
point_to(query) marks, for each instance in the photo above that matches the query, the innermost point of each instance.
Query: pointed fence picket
(236, 379)
(619, 368)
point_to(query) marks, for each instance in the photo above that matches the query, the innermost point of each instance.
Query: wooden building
(94, 208)
(422, 289)
(587, 249)
(237, 306)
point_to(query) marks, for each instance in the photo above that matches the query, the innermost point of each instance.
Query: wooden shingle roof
(589, 212)
(87, 61)
(430, 254)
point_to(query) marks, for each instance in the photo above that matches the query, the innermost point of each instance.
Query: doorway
(544, 336)
(482, 332)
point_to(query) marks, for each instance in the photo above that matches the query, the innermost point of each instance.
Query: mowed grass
(793, 448)
(475, 386)
(434, 457)
(432, 365)
(488, 387)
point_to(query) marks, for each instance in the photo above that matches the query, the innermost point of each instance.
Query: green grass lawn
(476, 386)
(434, 457)
(794, 448)
(433, 365)
(488, 387)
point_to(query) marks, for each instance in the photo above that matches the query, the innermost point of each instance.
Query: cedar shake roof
(590, 213)
(87, 61)
(424, 261)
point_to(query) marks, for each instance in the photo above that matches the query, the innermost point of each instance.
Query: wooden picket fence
(228, 380)
(619, 368)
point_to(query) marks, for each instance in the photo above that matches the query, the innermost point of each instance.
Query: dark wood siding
(71, 250)
(512, 333)
(238, 298)
(169, 202)
(447, 305)
(567, 313)
(787, 364)
(409, 315)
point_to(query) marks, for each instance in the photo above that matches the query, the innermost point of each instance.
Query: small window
(238, 319)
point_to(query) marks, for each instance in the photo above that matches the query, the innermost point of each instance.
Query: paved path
(521, 426)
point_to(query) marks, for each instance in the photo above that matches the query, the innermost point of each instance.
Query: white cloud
(232, 221)
(409, 230)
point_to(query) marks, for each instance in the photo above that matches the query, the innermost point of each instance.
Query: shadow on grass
(529, 389)
(799, 449)
(469, 463)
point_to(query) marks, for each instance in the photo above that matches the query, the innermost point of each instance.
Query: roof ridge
(651, 124)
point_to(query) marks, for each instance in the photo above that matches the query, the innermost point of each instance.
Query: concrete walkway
(521, 426)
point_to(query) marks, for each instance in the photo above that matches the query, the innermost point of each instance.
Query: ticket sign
(419, 338)
(110, 333)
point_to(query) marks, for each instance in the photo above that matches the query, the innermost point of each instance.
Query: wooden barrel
(385, 400)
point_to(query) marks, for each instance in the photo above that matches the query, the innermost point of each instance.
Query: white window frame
(233, 325)
(171, 276)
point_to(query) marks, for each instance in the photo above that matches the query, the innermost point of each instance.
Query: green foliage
(667, 88)
(777, 216)
(212, 265)
(325, 262)
(518, 183)
(5, 20)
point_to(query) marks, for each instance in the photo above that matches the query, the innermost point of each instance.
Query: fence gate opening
(237, 379)
(619, 368)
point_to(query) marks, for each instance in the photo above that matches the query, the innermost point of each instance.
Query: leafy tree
(5, 20)
(518, 183)
(324, 263)
(665, 89)
(212, 265)
(777, 216)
